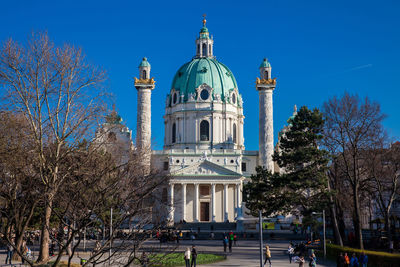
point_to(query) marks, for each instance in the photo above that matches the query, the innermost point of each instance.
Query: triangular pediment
(205, 168)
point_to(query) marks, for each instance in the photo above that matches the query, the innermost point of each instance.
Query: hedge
(375, 258)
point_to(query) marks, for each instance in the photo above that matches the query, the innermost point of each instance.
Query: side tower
(265, 87)
(144, 85)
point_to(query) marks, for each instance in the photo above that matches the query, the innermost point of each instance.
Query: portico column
(238, 202)
(171, 203)
(196, 202)
(213, 202)
(225, 202)
(183, 201)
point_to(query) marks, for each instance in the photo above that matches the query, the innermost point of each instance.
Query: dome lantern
(204, 43)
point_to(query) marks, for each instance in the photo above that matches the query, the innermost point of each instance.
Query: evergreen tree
(303, 163)
(302, 183)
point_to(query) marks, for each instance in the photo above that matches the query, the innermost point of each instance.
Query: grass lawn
(176, 259)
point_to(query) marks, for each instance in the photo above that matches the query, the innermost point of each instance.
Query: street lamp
(324, 230)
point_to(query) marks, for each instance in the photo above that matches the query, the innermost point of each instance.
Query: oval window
(233, 98)
(204, 94)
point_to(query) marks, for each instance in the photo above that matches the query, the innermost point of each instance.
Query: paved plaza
(246, 253)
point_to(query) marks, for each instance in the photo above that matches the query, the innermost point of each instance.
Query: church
(204, 150)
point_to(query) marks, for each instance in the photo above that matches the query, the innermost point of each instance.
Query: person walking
(313, 260)
(290, 253)
(340, 261)
(225, 242)
(346, 260)
(187, 257)
(234, 240)
(363, 260)
(10, 251)
(230, 243)
(194, 256)
(267, 255)
(353, 261)
(301, 261)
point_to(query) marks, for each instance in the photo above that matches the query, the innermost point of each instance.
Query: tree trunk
(388, 228)
(45, 234)
(357, 218)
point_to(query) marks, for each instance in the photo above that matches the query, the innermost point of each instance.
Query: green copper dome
(204, 70)
(144, 63)
(265, 64)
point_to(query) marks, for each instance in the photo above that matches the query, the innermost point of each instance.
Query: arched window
(209, 49)
(234, 133)
(204, 131)
(173, 133)
(204, 50)
(144, 74)
(198, 49)
(266, 74)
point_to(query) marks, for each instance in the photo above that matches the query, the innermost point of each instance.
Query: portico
(204, 201)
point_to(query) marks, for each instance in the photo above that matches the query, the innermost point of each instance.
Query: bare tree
(59, 95)
(19, 183)
(353, 127)
(384, 166)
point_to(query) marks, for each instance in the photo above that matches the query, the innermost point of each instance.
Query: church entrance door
(205, 211)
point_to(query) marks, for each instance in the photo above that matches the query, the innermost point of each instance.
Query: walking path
(246, 253)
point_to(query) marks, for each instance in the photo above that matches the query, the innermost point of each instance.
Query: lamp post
(261, 237)
(324, 228)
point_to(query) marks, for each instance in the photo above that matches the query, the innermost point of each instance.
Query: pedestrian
(346, 260)
(187, 257)
(10, 251)
(290, 253)
(340, 261)
(230, 244)
(313, 260)
(353, 261)
(391, 246)
(363, 260)
(212, 235)
(267, 255)
(194, 256)
(225, 242)
(301, 261)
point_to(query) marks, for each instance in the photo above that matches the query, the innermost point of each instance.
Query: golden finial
(204, 20)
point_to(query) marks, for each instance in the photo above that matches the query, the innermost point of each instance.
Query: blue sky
(318, 49)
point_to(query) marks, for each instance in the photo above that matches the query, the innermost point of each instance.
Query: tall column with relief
(144, 86)
(265, 87)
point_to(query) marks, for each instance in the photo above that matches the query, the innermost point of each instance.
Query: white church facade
(204, 148)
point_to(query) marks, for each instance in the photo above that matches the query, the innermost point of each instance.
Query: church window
(198, 49)
(266, 74)
(233, 98)
(177, 161)
(232, 161)
(204, 94)
(234, 133)
(209, 49)
(166, 166)
(244, 166)
(175, 98)
(204, 131)
(173, 133)
(144, 74)
(204, 50)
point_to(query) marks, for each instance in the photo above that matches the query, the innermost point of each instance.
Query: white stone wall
(266, 128)
(187, 117)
